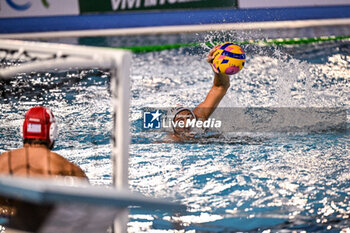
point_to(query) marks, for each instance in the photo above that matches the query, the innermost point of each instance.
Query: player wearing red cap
(35, 158)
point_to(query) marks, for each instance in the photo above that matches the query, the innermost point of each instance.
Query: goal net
(24, 57)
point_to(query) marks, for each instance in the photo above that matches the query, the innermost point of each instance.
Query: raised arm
(220, 86)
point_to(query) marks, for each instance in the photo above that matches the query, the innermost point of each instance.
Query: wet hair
(35, 141)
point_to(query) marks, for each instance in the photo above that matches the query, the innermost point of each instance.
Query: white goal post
(44, 57)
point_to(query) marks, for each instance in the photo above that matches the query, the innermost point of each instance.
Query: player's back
(37, 160)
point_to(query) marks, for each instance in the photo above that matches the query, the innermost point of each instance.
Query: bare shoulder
(66, 167)
(3, 159)
(4, 156)
(61, 161)
(57, 158)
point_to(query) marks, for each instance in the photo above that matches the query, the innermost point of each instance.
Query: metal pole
(120, 85)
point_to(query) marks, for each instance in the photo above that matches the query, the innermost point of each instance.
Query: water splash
(301, 179)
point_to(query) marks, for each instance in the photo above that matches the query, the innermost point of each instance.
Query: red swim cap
(39, 123)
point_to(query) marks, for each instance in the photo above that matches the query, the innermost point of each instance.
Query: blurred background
(33, 16)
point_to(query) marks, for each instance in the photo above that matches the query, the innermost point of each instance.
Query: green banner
(90, 6)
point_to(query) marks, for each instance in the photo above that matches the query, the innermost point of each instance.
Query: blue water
(250, 183)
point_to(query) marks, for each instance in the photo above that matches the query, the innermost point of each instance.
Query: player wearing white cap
(203, 111)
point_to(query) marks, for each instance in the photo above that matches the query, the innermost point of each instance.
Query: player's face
(181, 123)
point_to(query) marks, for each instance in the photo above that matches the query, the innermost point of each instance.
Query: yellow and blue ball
(229, 59)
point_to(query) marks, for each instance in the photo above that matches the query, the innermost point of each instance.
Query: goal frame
(82, 57)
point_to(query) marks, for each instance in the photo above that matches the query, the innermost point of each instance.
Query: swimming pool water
(267, 182)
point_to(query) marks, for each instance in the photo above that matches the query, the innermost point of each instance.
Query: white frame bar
(181, 29)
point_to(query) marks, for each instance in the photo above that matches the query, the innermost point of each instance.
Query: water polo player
(181, 115)
(35, 158)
